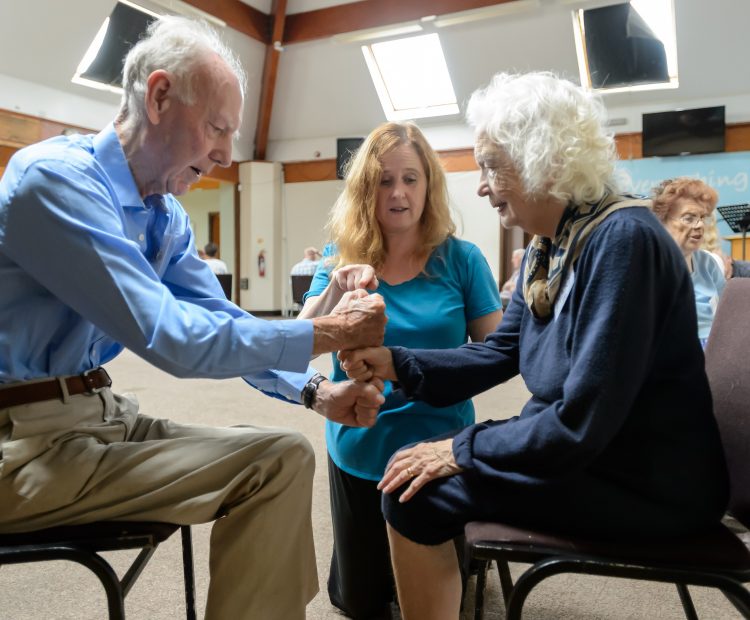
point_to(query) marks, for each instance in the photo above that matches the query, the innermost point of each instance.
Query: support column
(260, 236)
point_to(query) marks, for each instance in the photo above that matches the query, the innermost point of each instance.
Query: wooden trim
(268, 81)
(737, 138)
(304, 171)
(629, 146)
(328, 22)
(238, 15)
(458, 160)
(6, 152)
(18, 130)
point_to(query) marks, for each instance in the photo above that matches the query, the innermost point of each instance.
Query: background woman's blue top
(430, 311)
(708, 284)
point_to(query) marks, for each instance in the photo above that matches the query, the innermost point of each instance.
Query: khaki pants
(93, 457)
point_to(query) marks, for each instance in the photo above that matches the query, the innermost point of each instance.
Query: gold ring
(408, 471)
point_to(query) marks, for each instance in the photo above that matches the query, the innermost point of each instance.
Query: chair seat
(99, 536)
(717, 549)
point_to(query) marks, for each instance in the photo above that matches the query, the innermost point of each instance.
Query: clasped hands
(372, 365)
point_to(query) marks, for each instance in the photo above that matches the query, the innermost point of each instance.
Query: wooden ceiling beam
(268, 83)
(242, 17)
(328, 22)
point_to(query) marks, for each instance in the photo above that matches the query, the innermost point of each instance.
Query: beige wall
(198, 203)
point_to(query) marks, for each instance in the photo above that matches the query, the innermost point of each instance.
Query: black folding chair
(82, 544)
(717, 559)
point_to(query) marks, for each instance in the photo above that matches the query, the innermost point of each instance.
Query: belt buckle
(89, 382)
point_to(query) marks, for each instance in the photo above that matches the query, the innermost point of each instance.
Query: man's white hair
(179, 46)
(552, 130)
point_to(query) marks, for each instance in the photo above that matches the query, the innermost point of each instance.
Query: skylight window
(101, 66)
(411, 77)
(630, 46)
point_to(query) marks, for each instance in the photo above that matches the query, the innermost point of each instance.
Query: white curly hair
(552, 130)
(179, 46)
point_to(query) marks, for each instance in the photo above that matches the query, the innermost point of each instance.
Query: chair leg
(687, 602)
(135, 570)
(740, 605)
(189, 574)
(104, 572)
(506, 581)
(479, 594)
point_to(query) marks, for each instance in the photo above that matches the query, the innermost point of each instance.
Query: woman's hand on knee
(420, 464)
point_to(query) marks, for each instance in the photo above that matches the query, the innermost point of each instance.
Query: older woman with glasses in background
(685, 206)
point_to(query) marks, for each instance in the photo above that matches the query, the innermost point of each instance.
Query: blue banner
(727, 173)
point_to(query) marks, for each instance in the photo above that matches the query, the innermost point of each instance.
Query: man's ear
(159, 93)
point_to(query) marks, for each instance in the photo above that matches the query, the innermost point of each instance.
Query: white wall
(198, 203)
(52, 104)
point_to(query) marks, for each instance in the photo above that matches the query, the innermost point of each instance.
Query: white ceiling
(323, 89)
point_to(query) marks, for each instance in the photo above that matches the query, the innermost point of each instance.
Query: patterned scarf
(543, 276)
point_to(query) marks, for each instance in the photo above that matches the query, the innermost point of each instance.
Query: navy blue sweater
(617, 378)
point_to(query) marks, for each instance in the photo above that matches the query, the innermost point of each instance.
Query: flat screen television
(345, 149)
(683, 132)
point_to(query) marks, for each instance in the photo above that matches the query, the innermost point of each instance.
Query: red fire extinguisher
(262, 264)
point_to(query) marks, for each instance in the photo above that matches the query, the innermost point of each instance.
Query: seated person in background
(392, 231)
(618, 439)
(506, 293)
(712, 244)
(308, 265)
(97, 255)
(218, 266)
(685, 207)
(739, 268)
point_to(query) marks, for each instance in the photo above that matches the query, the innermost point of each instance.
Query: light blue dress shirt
(87, 267)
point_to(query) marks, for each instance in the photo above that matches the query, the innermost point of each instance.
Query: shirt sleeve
(616, 324)
(69, 215)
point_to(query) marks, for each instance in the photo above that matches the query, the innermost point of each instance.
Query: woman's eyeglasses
(692, 220)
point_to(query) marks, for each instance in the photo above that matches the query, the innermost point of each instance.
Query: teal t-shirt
(431, 311)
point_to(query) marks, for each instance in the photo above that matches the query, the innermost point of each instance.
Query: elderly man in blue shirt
(95, 255)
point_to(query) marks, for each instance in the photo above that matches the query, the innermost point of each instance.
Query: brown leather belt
(88, 381)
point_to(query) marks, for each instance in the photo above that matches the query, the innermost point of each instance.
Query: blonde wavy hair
(552, 130)
(353, 225)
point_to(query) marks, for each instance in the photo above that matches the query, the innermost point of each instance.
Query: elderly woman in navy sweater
(618, 438)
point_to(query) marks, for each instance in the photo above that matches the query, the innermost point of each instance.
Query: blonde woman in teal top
(392, 231)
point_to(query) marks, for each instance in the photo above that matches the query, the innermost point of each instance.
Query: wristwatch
(311, 389)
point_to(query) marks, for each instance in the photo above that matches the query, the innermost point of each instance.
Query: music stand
(738, 218)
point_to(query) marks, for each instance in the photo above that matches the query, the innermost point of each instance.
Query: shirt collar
(108, 152)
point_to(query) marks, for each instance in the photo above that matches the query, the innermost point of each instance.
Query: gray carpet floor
(65, 591)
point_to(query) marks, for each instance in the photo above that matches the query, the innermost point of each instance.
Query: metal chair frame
(728, 569)
(82, 544)
(550, 562)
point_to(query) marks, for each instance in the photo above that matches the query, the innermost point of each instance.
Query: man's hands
(349, 402)
(357, 321)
